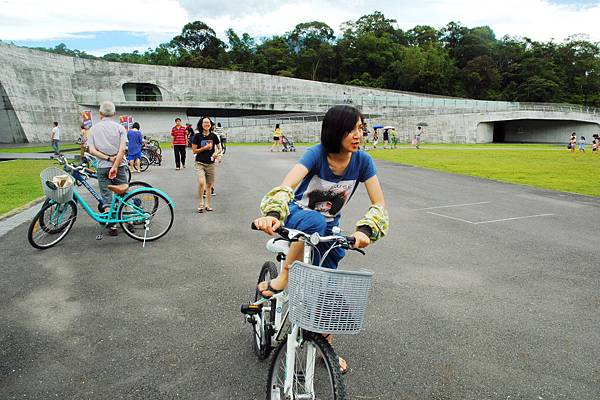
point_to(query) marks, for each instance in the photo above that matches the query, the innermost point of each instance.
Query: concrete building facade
(37, 88)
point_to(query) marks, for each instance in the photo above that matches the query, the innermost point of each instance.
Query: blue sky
(139, 24)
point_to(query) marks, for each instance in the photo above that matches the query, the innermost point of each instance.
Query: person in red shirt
(179, 134)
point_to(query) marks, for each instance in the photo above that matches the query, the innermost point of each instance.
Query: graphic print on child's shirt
(327, 197)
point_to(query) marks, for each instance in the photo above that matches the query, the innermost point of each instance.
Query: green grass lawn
(20, 182)
(530, 165)
(40, 149)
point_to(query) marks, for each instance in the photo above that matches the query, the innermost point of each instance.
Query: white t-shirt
(56, 132)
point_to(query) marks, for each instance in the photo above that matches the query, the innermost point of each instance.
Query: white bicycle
(318, 302)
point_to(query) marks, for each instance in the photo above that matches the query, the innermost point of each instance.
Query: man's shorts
(136, 156)
(206, 171)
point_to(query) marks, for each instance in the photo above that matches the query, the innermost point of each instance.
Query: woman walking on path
(207, 147)
(276, 138)
(134, 147)
(179, 134)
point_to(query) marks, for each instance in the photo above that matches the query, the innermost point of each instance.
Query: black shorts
(386, 136)
(275, 138)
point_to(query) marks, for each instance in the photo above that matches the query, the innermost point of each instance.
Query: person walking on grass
(55, 138)
(595, 143)
(179, 134)
(134, 147)
(582, 144)
(276, 138)
(207, 148)
(573, 142)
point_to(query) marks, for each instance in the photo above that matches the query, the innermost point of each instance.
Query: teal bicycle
(145, 214)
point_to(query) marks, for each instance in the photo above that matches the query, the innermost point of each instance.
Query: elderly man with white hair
(108, 142)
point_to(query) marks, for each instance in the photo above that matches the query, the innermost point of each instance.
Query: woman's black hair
(199, 126)
(276, 126)
(337, 123)
(135, 125)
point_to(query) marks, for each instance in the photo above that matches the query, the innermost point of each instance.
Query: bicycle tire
(41, 225)
(155, 143)
(139, 231)
(327, 380)
(144, 163)
(261, 335)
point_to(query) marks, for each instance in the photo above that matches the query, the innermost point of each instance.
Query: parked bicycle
(144, 214)
(317, 301)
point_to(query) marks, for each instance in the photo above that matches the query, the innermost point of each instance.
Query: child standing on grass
(595, 143)
(582, 144)
(573, 142)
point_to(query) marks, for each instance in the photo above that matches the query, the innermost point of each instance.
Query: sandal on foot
(344, 370)
(270, 289)
(200, 210)
(210, 209)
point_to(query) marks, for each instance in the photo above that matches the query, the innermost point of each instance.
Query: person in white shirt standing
(55, 138)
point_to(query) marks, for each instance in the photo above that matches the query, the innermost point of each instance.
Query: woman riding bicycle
(324, 180)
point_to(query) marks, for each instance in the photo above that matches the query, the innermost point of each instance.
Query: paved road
(482, 290)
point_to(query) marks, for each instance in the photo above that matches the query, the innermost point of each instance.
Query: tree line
(371, 51)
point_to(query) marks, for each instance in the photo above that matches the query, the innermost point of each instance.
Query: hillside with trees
(371, 51)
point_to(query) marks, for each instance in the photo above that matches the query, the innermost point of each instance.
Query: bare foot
(277, 284)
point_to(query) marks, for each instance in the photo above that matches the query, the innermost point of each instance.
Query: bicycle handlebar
(291, 235)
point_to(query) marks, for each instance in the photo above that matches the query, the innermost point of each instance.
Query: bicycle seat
(277, 245)
(119, 189)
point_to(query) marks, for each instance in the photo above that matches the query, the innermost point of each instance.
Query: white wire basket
(60, 194)
(325, 300)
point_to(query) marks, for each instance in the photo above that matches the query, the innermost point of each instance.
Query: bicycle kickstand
(100, 234)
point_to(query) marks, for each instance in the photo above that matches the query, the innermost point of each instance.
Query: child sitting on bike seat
(324, 180)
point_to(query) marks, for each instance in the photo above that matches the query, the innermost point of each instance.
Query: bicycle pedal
(99, 237)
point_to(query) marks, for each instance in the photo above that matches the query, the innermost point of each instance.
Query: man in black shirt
(207, 147)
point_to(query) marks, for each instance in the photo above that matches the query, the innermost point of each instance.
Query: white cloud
(39, 20)
(160, 20)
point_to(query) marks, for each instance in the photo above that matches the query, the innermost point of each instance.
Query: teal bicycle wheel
(51, 224)
(147, 215)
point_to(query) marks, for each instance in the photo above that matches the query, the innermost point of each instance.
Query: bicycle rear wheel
(316, 371)
(156, 210)
(262, 327)
(144, 163)
(51, 224)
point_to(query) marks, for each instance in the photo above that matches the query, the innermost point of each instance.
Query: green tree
(274, 57)
(241, 51)
(312, 43)
(198, 46)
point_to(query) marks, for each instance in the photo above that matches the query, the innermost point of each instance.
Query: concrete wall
(43, 87)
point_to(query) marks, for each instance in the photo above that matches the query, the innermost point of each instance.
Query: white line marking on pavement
(512, 219)
(453, 205)
(446, 216)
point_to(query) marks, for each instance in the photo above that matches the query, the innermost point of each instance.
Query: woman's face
(206, 125)
(351, 142)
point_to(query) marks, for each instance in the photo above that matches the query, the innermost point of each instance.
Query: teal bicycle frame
(137, 214)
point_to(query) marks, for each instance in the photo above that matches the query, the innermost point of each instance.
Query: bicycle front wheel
(51, 224)
(262, 328)
(148, 215)
(144, 163)
(316, 371)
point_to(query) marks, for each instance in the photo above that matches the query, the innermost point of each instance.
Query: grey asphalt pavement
(482, 290)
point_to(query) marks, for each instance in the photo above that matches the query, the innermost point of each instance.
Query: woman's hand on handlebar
(362, 240)
(267, 224)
